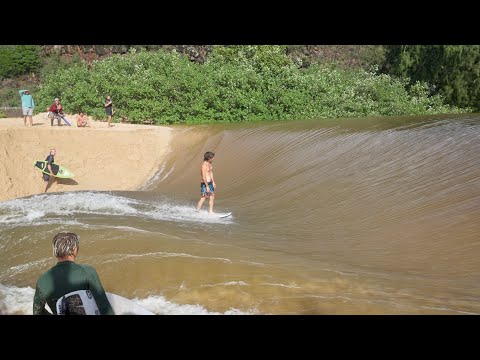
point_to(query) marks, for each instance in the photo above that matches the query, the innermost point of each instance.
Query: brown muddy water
(344, 216)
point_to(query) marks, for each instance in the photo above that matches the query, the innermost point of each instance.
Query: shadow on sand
(66, 181)
(61, 181)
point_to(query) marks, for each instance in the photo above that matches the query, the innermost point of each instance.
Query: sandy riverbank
(123, 157)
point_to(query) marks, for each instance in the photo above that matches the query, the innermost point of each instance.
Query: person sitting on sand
(82, 120)
(55, 111)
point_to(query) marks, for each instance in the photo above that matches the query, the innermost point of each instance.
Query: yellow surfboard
(59, 171)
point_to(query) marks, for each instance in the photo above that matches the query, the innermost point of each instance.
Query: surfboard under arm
(66, 121)
(81, 302)
(42, 165)
(58, 171)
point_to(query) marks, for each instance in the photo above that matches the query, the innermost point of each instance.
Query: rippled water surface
(347, 216)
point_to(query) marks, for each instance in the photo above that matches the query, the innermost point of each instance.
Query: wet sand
(122, 157)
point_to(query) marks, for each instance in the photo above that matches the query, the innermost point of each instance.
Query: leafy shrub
(237, 83)
(452, 69)
(18, 59)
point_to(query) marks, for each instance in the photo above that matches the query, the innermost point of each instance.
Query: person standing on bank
(109, 109)
(50, 160)
(27, 106)
(67, 276)
(207, 186)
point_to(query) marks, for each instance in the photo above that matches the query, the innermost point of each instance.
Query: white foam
(283, 285)
(159, 305)
(168, 173)
(16, 270)
(160, 254)
(228, 283)
(449, 310)
(154, 178)
(17, 300)
(184, 213)
(56, 207)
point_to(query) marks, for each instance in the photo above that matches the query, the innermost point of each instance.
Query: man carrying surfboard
(66, 277)
(207, 186)
(50, 160)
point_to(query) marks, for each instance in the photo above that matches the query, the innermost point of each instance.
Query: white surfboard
(81, 302)
(223, 215)
(124, 306)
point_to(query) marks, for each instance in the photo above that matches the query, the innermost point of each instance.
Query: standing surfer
(207, 186)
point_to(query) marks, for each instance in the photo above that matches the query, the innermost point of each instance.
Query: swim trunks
(203, 189)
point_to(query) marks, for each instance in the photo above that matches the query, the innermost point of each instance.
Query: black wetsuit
(109, 109)
(50, 160)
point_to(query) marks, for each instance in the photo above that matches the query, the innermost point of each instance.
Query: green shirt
(63, 278)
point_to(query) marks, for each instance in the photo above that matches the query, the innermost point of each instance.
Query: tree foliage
(18, 60)
(236, 83)
(452, 70)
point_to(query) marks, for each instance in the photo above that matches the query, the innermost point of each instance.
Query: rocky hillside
(197, 53)
(344, 55)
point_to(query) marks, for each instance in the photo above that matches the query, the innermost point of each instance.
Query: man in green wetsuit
(67, 276)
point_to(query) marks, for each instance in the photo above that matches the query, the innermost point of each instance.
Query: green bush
(237, 83)
(2, 115)
(18, 59)
(452, 70)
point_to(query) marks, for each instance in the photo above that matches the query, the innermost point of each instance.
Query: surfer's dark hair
(64, 244)
(208, 155)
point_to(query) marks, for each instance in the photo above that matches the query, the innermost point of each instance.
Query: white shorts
(27, 111)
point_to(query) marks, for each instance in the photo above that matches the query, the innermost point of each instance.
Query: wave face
(345, 216)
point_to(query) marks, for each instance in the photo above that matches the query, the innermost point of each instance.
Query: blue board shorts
(203, 189)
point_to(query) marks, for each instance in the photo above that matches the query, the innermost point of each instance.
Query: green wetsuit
(63, 278)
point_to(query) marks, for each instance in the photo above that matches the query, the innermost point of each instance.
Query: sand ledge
(123, 157)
